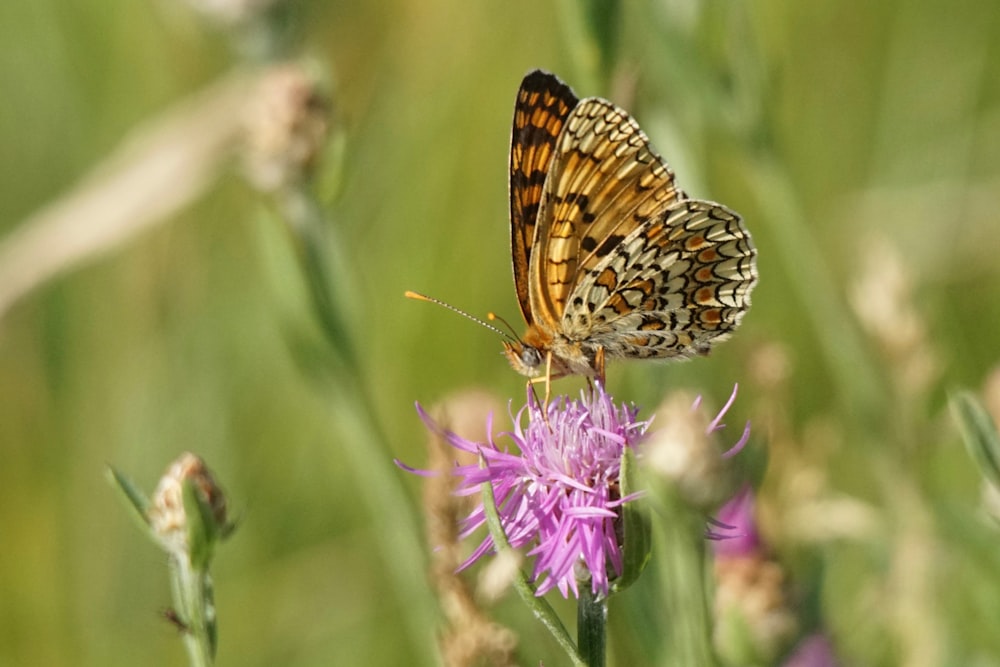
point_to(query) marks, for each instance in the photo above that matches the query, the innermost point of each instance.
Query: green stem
(680, 546)
(329, 281)
(193, 599)
(542, 610)
(323, 266)
(591, 626)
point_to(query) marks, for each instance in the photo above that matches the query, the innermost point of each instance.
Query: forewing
(604, 181)
(543, 104)
(675, 285)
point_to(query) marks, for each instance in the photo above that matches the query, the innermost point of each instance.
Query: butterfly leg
(548, 377)
(599, 365)
(544, 406)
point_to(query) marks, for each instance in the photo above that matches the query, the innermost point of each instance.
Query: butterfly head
(538, 353)
(525, 359)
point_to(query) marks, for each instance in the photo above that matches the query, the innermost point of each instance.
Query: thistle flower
(815, 650)
(754, 614)
(683, 449)
(740, 537)
(561, 494)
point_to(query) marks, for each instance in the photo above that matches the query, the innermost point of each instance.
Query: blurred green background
(860, 141)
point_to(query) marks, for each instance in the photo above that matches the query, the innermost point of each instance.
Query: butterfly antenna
(423, 297)
(512, 335)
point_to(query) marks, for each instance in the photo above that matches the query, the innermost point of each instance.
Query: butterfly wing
(603, 181)
(543, 104)
(676, 284)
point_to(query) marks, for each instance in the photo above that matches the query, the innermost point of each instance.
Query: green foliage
(980, 434)
(636, 527)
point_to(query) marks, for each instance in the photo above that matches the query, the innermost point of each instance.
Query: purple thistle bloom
(684, 451)
(739, 536)
(561, 495)
(816, 650)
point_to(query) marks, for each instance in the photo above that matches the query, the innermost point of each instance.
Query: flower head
(755, 617)
(738, 535)
(168, 516)
(560, 495)
(683, 449)
(815, 650)
(287, 126)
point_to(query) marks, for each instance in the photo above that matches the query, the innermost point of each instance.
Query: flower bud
(170, 514)
(682, 449)
(286, 127)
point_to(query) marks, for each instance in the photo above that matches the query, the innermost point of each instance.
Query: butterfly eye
(530, 356)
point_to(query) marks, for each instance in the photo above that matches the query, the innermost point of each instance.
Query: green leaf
(202, 531)
(636, 525)
(137, 500)
(979, 433)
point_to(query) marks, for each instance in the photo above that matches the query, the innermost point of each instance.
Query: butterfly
(611, 259)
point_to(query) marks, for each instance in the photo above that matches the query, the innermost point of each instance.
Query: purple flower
(755, 615)
(816, 650)
(684, 451)
(739, 536)
(560, 496)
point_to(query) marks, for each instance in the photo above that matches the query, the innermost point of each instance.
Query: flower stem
(329, 282)
(591, 626)
(542, 610)
(680, 545)
(192, 592)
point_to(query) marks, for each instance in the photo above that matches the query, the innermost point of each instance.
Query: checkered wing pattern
(611, 259)
(543, 104)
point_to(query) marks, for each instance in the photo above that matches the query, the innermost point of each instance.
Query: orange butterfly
(611, 259)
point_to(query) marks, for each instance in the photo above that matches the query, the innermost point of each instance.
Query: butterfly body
(611, 259)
